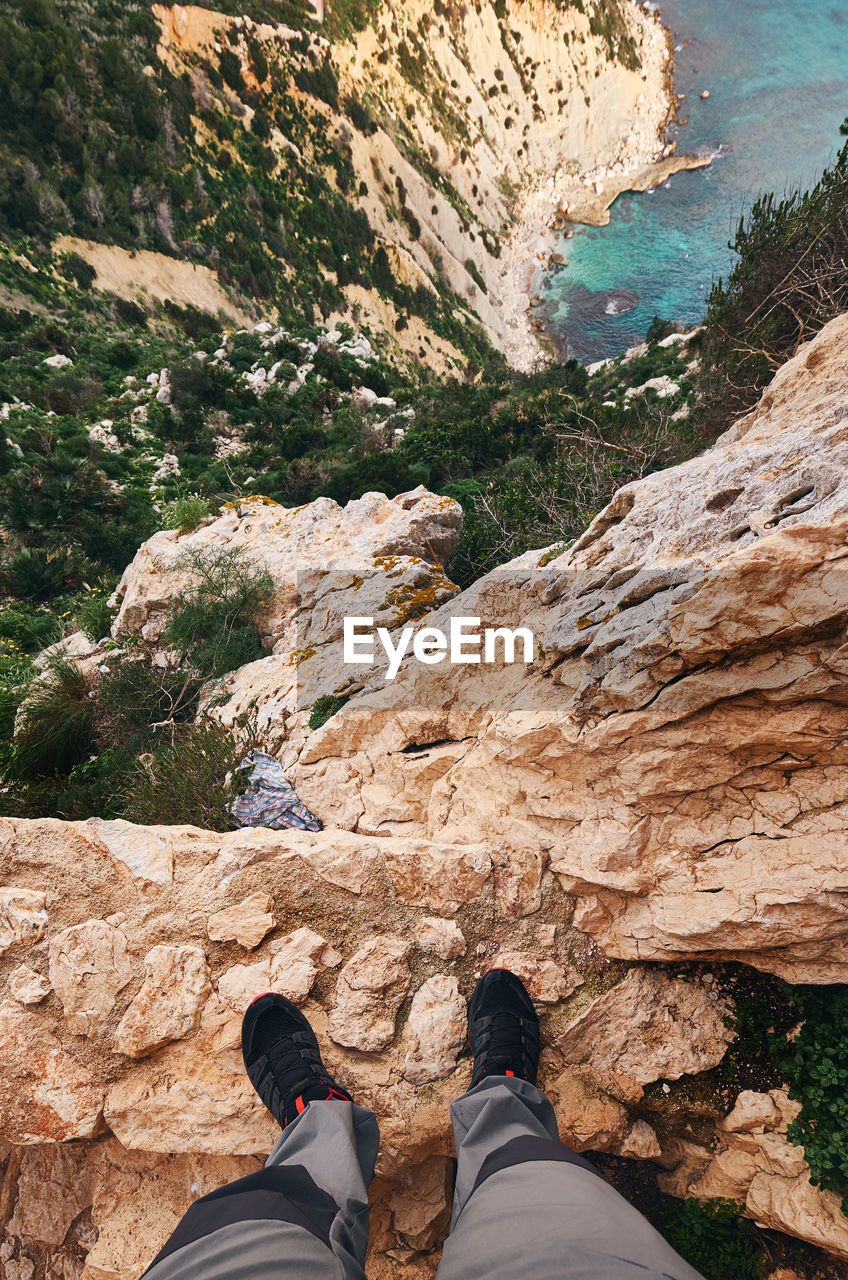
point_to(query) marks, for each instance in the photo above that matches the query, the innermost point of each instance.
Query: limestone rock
(27, 986)
(138, 1199)
(433, 933)
(88, 967)
(589, 1119)
(640, 1142)
(648, 1027)
(421, 1208)
(441, 879)
(435, 1031)
(168, 1005)
(188, 1098)
(53, 1188)
(289, 969)
(314, 553)
(23, 918)
(690, 645)
(370, 989)
(245, 922)
(546, 980)
(145, 853)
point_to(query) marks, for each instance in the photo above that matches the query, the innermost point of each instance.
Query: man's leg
(525, 1206)
(305, 1215)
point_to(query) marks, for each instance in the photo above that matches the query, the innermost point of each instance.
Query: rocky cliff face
(666, 783)
(461, 114)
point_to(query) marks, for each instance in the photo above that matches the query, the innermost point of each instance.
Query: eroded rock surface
(370, 990)
(649, 1027)
(676, 754)
(668, 781)
(170, 1001)
(246, 923)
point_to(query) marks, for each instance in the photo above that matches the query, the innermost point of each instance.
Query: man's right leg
(305, 1215)
(525, 1206)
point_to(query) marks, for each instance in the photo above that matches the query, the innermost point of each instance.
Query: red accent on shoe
(510, 1073)
(299, 1103)
(260, 997)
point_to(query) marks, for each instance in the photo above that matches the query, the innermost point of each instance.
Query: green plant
(187, 781)
(56, 723)
(714, 1237)
(135, 699)
(815, 1061)
(473, 271)
(323, 708)
(33, 573)
(760, 1011)
(212, 624)
(185, 513)
(94, 615)
(28, 628)
(552, 553)
(789, 279)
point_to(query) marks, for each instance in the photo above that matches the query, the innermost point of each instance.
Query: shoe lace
(505, 1043)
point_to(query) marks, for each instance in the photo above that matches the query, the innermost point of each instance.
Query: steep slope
(382, 174)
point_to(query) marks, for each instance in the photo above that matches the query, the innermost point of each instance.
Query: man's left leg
(305, 1215)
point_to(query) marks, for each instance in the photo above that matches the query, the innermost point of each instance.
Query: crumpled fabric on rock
(270, 800)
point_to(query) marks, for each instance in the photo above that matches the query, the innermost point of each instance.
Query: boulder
(649, 1027)
(435, 1030)
(23, 918)
(444, 937)
(89, 965)
(675, 754)
(27, 986)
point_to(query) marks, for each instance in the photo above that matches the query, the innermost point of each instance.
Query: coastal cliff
(457, 134)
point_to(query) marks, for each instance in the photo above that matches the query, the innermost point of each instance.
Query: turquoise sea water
(777, 73)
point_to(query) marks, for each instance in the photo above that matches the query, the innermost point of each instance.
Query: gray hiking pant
(525, 1207)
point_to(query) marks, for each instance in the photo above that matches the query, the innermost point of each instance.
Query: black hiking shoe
(503, 1029)
(283, 1060)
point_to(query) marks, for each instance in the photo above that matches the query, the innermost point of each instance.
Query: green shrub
(715, 1239)
(33, 573)
(816, 1065)
(28, 628)
(94, 615)
(472, 269)
(187, 781)
(185, 513)
(15, 673)
(57, 723)
(789, 279)
(76, 268)
(135, 696)
(323, 708)
(212, 625)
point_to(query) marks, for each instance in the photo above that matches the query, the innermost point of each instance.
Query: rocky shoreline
(645, 158)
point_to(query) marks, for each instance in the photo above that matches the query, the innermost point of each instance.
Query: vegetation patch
(815, 1061)
(713, 1236)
